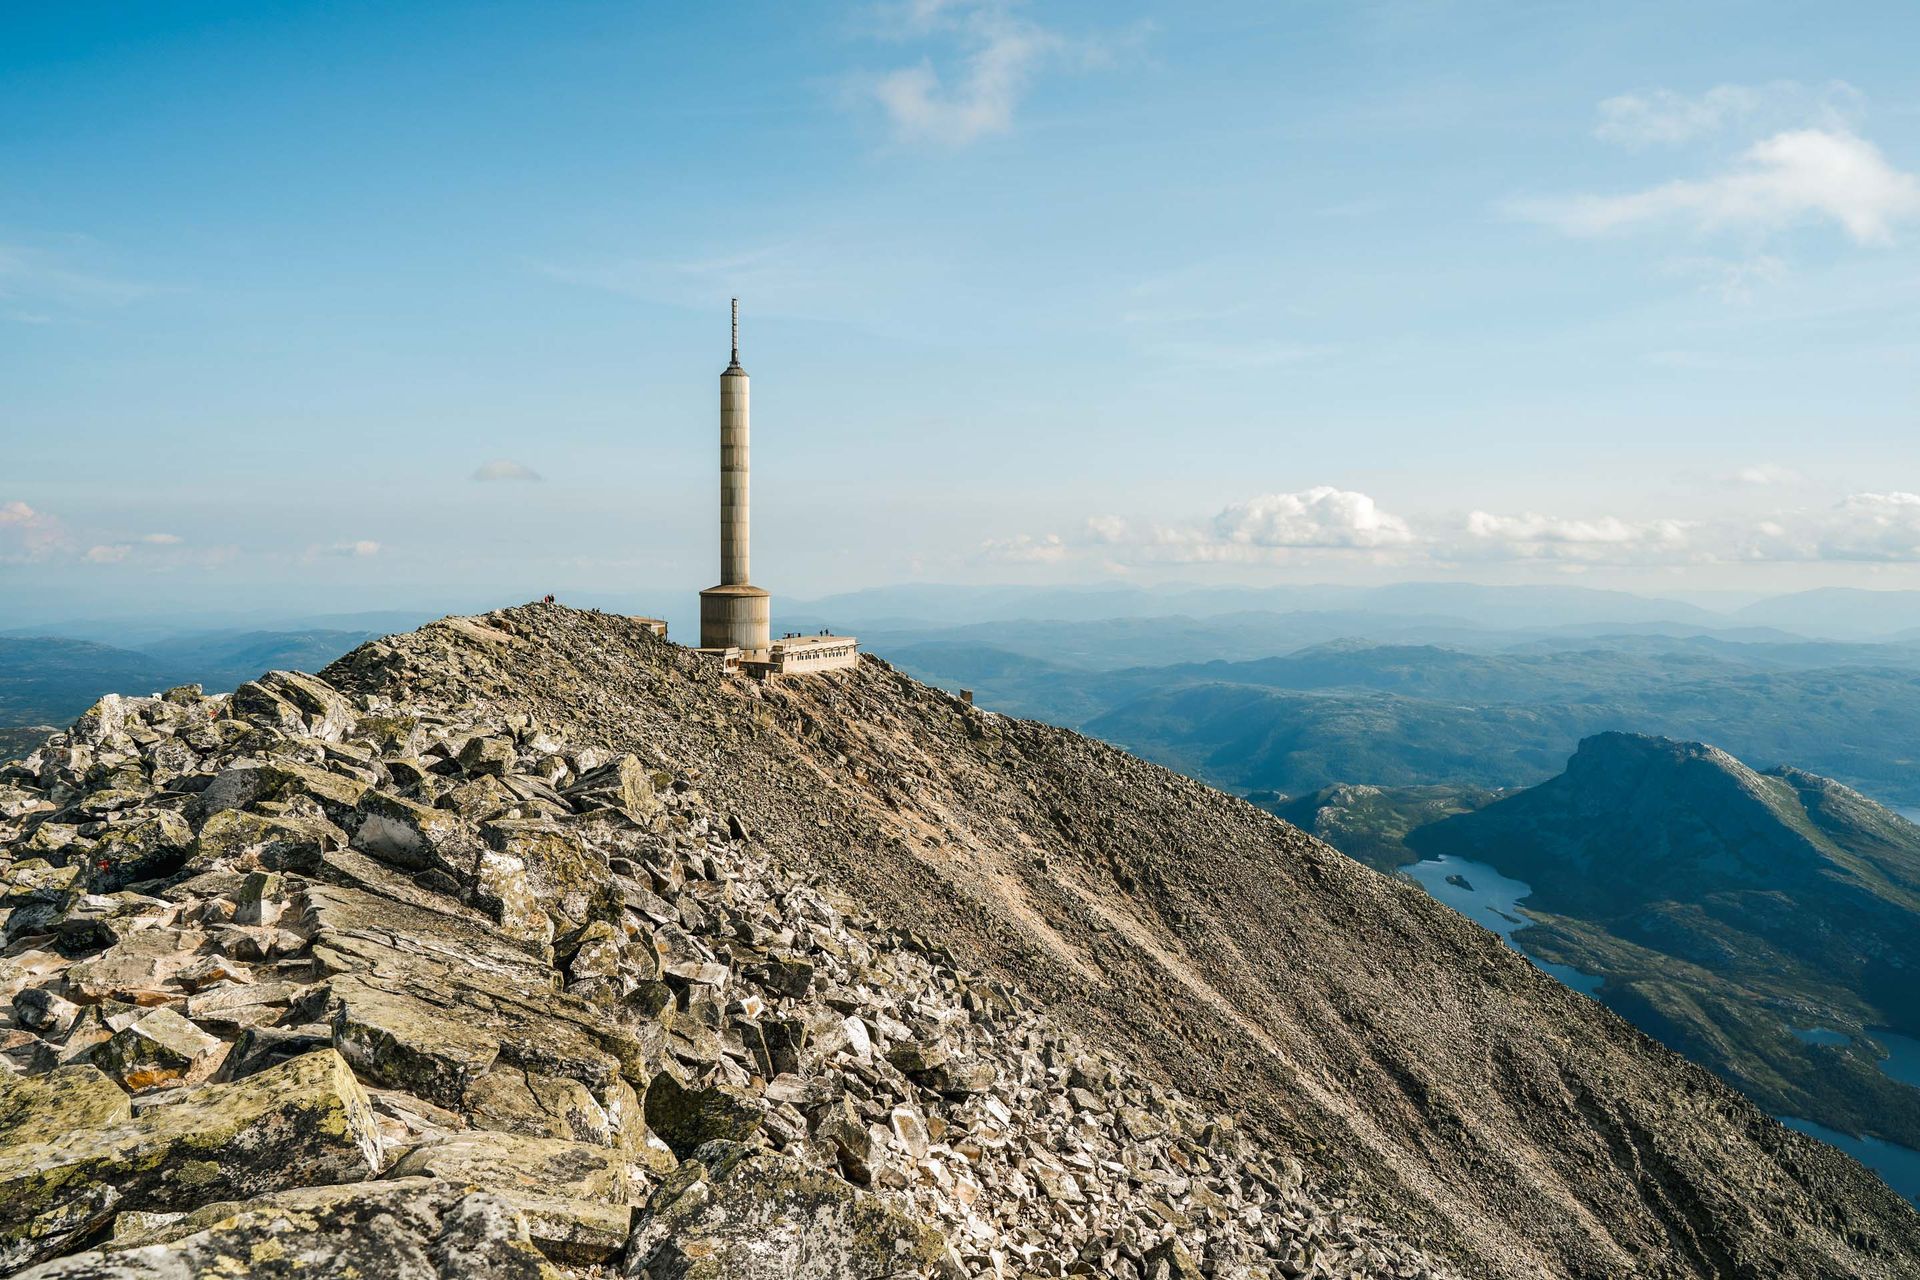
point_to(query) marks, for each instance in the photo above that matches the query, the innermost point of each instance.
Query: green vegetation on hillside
(1725, 907)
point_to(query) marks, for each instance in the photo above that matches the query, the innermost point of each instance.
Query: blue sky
(296, 298)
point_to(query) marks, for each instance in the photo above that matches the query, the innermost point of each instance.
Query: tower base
(736, 617)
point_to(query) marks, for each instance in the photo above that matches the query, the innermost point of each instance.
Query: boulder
(399, 1041)
(412, 1229)
(295, 704)
(568, 876)
(153, 846)
(139, 969)
(574, 1195)
(486, 755)
(687, 1119)
(159, 1050)
(738, 1213)
(247, 785)
(36, 1109)
(304, 1123)
(414, 836)
(276, 844)
(623, 783)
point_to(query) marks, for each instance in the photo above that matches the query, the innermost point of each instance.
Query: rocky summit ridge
(532, 944)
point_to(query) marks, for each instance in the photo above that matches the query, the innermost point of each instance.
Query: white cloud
(1319, 517)
(1325, 524)
(501, 469)
(107, 554)
(1025, 549)
(1663, 116)
(1881, 527)
(359, 550)
(1764, 475)
(1602, 538)
(1666, 118)
(163, 539)
(1789, 178)
(27, 534)
(1000, 52)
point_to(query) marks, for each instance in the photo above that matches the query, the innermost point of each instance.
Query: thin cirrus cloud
(1798, 176)
(362, 549)
(1662, 117)
(1316, 524)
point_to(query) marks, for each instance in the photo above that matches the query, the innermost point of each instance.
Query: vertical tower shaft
(735, 614)
(734, 463)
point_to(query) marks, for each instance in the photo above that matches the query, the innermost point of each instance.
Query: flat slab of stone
(37, 1109)
(304, 1123)
(413, 1229)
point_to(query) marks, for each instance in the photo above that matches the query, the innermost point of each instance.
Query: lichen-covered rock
(524, 1165)
(400, 1041)
(152, 846)
(35, 1109)
(412, 1229)
(160, 1049)
(687, 1119)
(575, 1195)
(623, 783)
(413, 835)
(138, 969)
(304, 1123)
(737, 1213)
(230, 836)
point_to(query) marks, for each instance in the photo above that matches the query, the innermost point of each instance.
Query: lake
(1492, 901)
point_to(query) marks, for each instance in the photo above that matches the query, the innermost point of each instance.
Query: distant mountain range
(47, 680)
(1836, 613)
(1409, 715)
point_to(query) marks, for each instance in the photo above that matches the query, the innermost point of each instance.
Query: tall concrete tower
(735, 614)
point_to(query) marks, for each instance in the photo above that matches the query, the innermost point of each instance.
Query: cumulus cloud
(1326, 523)
(1796, 176)
(1319, 517)
(162, 539)
(1000, 51)
(1872, 527)
(1603, 538)
(501, 469)
(112, 553)
(27, 534)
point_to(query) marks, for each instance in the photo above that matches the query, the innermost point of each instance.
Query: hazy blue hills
(49, 680)
(1742, 917)
(1408, 715)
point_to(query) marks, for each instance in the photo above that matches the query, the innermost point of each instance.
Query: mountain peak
(548, 839)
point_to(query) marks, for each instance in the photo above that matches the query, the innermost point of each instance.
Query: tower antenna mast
(736, 331)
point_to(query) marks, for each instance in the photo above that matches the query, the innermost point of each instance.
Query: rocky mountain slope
(531, 941)
(1726, 907)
